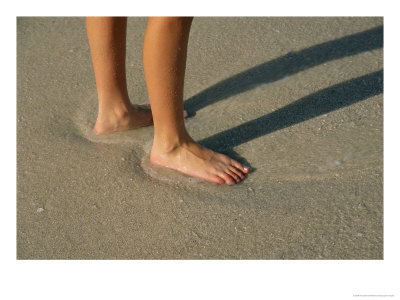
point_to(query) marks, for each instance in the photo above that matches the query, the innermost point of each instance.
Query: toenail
(246, 168)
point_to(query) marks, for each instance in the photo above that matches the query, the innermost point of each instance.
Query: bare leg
(164, 58)
(107, 39)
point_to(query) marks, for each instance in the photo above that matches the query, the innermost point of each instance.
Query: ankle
(116, 109)
(167, 144)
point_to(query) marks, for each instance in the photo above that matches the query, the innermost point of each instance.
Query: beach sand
(300, 100)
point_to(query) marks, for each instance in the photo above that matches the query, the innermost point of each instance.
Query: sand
(300, 100)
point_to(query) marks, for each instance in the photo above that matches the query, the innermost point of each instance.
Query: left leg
(107, 40)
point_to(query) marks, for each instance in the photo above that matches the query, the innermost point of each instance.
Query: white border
(197, 279)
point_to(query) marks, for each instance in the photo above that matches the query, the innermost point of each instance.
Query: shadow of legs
(287, 65)
(322, 102)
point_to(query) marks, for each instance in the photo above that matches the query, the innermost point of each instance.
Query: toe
(237, 172)
(239, 166)
(227, 178)
(233, 175)
(217, 179)
(210, 177)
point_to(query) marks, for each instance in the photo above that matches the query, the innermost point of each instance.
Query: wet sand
(300, 100)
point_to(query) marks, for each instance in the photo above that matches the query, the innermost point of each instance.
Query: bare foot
(194, 160)
(111, 121)
(137, 116)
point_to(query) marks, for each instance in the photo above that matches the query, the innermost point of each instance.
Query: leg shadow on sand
(321, 102)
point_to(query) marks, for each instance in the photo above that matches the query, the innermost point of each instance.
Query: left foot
(137, 116)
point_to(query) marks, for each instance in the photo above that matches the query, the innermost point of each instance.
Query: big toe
(239, 166)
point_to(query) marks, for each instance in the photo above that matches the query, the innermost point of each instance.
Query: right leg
(164, 59)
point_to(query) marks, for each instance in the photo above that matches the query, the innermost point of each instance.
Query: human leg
(164, 59)
(107, 40)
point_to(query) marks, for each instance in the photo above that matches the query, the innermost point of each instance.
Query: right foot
(194, 160)
(134, 117)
